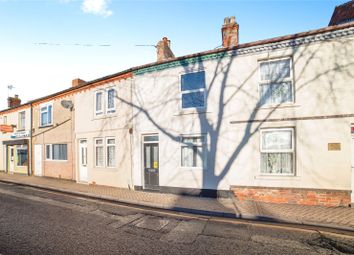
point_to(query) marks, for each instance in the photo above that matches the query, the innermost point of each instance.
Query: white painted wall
(117, 125)
(323, 81)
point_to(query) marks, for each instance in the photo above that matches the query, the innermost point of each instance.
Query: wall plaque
(334, 147)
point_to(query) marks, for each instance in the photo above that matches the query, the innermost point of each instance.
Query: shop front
(17, 156)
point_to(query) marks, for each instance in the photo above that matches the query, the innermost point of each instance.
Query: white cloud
(97, 7)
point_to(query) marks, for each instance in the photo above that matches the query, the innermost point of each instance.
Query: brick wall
(293, 195)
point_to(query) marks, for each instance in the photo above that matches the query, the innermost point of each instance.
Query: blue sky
(36, 70)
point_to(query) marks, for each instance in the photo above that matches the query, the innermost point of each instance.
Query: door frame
(79, 161)
(142, 155)
(9, 149)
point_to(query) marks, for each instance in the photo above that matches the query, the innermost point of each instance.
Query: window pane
(59, 151)
(99, 101)
(151, 138)
(44, 118)
(111, 141)
(187, 156)
(48, 151)
(199, 156)
(99, 156)
(277, 163)
(49, 114)
(277, 140)
(193, 99)
(111, 96)
(276, 93)
(99, 141)
(111, 159)
(192, 81)
(147, 157)
(22, 158)
(275, 70)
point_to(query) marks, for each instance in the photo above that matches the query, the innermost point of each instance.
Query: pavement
(340, 218)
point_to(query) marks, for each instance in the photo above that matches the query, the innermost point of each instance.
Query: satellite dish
(67, 104)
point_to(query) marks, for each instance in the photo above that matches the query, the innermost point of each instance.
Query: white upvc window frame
(269, 82)
(111, 110)
(292, 150)
(22, 122)
(41, 107)
(203, 144)
(182, 92)
(99, 112)
(107, 154)
(103, 151)
(50, 146)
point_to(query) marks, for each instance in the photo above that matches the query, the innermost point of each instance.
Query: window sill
(186, 168)
(105, 116)
(280, 106)
(191, 111)
(56, 160)
(46, 126)
(277, 177)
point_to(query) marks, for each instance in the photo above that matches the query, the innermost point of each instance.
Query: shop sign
(6, 128)
(21, 134)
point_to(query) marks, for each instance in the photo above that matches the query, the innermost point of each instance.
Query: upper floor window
(46, 115)
(277, 151)
(22, 120)
(99, 102)
(111, 99)
(105, 101)
(276, 82)
(4, 120)
(193, 90)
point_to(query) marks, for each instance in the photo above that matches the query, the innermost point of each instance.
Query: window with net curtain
(276, 82)
(193, 151)
(277, 151)
(99, 152)
(111, 152)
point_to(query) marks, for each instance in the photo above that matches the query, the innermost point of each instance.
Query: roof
(128, 72)
(343, 13)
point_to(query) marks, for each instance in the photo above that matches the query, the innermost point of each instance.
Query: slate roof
(343, 13)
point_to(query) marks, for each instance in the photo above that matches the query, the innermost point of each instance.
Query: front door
(353, 168)
(151, 165)
(11, 158)
(38, 159)
(83, 176)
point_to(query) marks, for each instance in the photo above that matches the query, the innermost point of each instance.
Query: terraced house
(271, 120)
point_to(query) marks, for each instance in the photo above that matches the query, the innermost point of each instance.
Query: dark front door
(151, 166)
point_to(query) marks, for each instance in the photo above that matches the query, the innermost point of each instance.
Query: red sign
(6, 129)
(352, 129)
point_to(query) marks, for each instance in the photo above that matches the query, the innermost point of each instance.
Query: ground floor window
(111, 152)
(105, 152)
(56, 151)
(193, 150)
(22, 155)
(277, 151)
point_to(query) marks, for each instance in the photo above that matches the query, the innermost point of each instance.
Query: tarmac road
(34, 221)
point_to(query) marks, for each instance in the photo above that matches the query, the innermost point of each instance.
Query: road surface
(34, 221)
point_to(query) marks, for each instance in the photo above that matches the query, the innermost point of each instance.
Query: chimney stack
(77, 82)
(230, 32)
(164, 51)
(13, 101)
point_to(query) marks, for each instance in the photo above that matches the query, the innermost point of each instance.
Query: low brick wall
(293, 195)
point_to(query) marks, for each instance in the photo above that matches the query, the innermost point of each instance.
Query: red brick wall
(293, 195)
